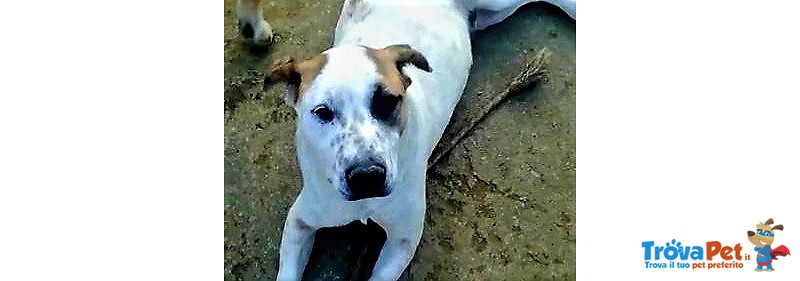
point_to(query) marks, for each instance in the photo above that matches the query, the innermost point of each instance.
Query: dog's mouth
(358, 192)
(364, 193)
(378, 193)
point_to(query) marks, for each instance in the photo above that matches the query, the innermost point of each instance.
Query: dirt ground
(501, 205)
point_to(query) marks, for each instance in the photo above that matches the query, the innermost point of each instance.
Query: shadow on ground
(501, 205)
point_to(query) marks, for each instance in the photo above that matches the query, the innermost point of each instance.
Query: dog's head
(349, 103)
(764, 234)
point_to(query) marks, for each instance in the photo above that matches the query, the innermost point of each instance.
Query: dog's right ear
(778, 227)
(298, 75)
(769, 221)
(285, 71)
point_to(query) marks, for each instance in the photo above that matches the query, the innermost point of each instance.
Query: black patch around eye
(324, 113)
(384, 105)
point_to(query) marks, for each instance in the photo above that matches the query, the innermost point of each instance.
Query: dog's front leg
(296, 244)
(402, 237)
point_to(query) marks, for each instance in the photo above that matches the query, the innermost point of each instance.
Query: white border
(112, 138)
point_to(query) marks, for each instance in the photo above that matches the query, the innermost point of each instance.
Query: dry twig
(534, 72)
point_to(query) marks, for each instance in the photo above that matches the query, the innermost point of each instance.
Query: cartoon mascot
(763, 238)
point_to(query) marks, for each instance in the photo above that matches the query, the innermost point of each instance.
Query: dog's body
(367, 124)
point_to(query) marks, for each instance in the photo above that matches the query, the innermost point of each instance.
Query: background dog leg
(252, 25)
(296, 244)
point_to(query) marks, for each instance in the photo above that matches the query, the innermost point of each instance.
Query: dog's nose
(247, 30)
(750, 233)
(366, 180)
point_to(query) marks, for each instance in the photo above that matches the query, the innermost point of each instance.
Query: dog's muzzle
(366, 179)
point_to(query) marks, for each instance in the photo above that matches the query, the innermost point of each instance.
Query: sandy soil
(501, 205)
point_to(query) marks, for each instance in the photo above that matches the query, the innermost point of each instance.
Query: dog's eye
(384, 104)
(323, 113)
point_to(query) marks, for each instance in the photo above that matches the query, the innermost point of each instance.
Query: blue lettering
(697, 253)
(671, 252)
(647, 245)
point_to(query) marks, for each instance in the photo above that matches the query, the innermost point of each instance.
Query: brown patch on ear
(778, 227)
(298, 75)
(405, 55)
(390, 62)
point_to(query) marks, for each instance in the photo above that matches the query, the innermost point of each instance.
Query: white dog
(370, 111)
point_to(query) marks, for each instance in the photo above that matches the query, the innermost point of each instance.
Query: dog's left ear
(778, 227)
(404, 54)
(394, 58)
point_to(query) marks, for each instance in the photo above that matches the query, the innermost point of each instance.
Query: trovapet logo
(715, 254)
(675, 255)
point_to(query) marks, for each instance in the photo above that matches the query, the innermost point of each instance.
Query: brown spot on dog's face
(385, 106)
(297, 74)
(391, 60)
(392, 83)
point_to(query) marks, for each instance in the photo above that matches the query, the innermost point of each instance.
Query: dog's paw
(257, 31)
(252, 26)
